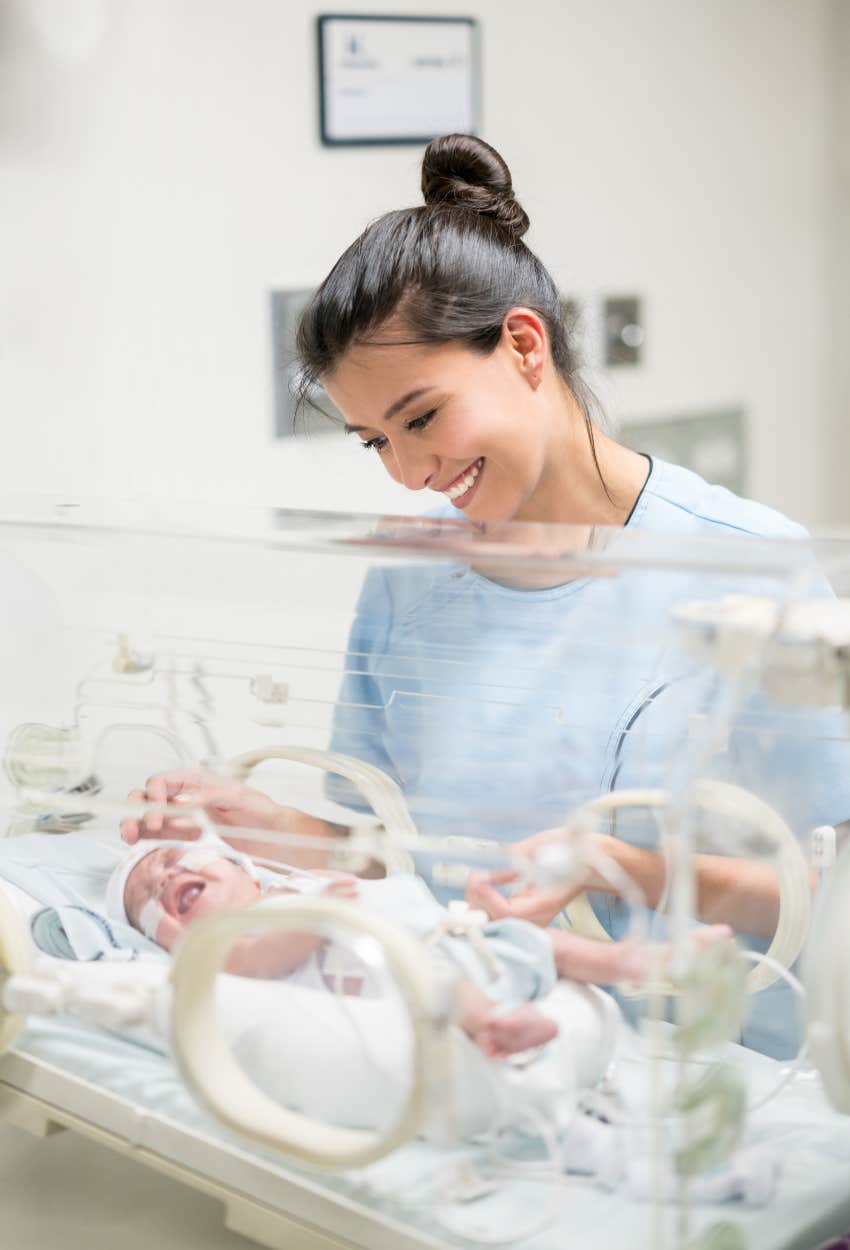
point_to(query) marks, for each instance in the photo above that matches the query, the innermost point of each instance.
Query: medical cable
(481, 1185)
(598, 1102)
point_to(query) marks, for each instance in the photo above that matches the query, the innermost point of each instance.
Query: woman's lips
(460, 491)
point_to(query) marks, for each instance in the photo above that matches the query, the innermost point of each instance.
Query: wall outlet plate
(623, 330)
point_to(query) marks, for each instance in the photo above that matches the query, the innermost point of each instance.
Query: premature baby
(162, 888)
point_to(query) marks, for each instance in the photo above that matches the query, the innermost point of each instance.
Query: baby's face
(184, 894)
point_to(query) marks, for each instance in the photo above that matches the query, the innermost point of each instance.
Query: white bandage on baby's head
(211, 847)
(200, 856)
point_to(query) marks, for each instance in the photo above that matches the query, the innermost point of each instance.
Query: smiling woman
(439, 335)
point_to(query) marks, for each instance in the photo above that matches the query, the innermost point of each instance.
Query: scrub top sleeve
(359, 722)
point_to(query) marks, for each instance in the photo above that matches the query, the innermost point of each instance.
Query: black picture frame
(323, 20)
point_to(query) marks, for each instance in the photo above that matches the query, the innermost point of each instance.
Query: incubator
(479, 883)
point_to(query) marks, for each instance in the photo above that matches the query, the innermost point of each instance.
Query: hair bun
(464, 171)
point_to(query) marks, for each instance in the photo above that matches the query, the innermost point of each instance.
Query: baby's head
(161, 888)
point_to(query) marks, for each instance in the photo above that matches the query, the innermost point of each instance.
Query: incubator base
(278, 1205)
(261, 1200)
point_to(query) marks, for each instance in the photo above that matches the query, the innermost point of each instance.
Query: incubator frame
(206, 1065)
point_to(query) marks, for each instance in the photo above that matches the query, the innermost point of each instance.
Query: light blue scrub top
(499, 710)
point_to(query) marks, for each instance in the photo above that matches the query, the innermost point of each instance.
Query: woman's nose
(415, 469)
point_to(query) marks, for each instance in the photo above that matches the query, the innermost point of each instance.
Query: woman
(499, 708)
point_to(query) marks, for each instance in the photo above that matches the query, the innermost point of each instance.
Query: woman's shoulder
(679, 500)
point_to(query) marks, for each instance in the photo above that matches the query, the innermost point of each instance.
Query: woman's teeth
(462, 484)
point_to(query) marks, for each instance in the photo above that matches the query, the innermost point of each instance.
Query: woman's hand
(537, 906)
(224, 800)
(230, 804)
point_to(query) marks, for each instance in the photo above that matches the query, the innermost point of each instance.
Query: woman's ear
(524, 335)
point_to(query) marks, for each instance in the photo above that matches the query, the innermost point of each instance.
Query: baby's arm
(269, 955)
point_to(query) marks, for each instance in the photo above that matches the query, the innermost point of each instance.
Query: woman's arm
(289, 820)
(230, 806)
(743, 893)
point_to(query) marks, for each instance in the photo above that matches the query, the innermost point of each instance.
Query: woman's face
(184, 895)
(443, 418)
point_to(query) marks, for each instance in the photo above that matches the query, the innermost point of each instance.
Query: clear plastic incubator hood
(420, 883)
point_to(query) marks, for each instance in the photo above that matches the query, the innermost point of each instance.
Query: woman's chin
(495, 510)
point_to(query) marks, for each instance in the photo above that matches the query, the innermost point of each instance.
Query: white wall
(838, 264)
(160, 171)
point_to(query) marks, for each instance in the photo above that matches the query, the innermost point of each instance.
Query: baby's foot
(637, 962)
(510, 1032)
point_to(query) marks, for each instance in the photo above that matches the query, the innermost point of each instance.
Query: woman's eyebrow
(395, 408)
(405, 400)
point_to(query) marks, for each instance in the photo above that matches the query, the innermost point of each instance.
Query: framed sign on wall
(396, 79)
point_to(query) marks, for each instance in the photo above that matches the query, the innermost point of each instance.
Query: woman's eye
(374, 444)
(419, 423)
(378, 443)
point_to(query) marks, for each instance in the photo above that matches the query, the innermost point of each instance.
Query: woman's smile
(461, 489)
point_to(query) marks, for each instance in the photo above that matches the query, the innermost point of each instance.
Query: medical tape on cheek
(210, 838)
(248, 865)
(198, 857)
(150, 917)
(245, 861)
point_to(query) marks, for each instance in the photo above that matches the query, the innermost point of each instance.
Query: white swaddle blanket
(346, 1060)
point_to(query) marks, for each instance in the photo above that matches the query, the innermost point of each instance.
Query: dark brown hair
(448, 271)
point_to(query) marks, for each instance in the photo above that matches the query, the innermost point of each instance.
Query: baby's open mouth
(187, 895)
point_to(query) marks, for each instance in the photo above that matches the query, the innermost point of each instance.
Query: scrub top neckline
(639, 505)
(543, 593)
